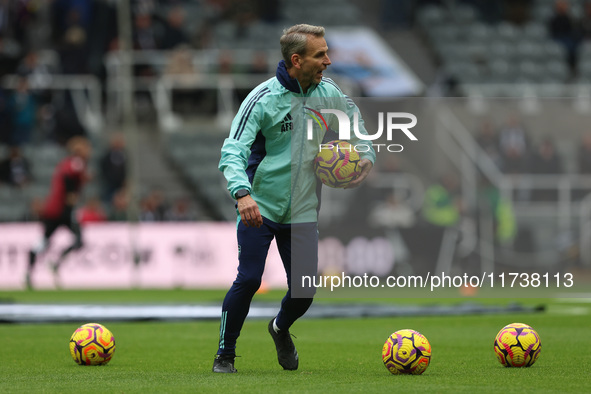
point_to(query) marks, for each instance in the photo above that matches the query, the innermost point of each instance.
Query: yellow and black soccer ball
(337, 164)
(517, 345)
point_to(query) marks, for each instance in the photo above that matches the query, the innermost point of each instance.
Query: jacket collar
(287, 81)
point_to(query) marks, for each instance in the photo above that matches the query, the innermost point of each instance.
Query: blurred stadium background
(155, 83)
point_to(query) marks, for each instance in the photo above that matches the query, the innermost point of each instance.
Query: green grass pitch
(336, 355)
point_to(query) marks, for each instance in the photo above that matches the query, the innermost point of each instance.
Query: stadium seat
(12, 211)
(507, 32)
(529, 50)
(36, 190)
(501, 50)
(453, 53)
(430, 16)
(550, 90)
(556, 71)
(542, 12)
(479, 32)
(444, 34)
(585, 51)
(463, 14)
(477, 51)
(6, 193)
(465, 72)
(536, 31)
(585, 69)
(553, 50)
(501, 71)
(530, 72)
(41, 171)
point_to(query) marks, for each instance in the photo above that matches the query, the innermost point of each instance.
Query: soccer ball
(337, 164)
(92, 344)
(406, 352)
(517, 345)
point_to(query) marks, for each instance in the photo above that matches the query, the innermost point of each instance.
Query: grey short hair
(295, 38)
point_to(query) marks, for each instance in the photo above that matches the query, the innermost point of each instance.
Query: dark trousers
(297, 243)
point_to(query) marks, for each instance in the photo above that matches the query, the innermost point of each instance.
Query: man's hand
(249, 212)
(365, 165)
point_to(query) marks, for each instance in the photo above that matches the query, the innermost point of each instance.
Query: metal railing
(85, 90)
(464, 152)
(207, 76)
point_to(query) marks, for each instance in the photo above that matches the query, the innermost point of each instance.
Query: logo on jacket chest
(286, 123)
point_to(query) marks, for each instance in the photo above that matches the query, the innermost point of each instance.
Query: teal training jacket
(268, 151)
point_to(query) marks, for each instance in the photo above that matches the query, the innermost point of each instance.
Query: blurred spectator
(6, 17)
(47, 122)
(514, 147)
(8, 56)
(392, 213)
(15, 170)
(180, 62)
(146, 36)
(181, 211)
(91, 212)
(441, 215)
(584, 155)
(174, 31)
(39, 73)
(67, 124)
(5, 118)
(397, 14)
(73, 46)
(113, 168)
(24, 13)
(259, 64)
(182, 69)
(585, 22)
(225, 63)
(269, 10)
(153, 207)
(488, 140)
(243, 13)
(514, 11)
(119, 207)
(61, 16)
(545, 161)
(23, 107)
(563, 29)
(442, 205)
(203, 37)
(501, 211)
(101, 32)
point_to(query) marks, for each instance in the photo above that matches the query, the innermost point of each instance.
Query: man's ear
(296, 60)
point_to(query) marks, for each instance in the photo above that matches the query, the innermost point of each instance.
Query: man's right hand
(249, 212)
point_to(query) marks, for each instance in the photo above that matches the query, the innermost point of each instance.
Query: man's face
(313, 62)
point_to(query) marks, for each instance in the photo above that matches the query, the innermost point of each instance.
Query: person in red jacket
(66, 185)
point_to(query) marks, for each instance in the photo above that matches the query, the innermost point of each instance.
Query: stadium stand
(184, 97)
(472, 51)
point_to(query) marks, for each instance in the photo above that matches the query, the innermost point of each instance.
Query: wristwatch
(241, 193)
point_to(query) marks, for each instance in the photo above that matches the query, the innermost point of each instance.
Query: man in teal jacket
(267, 161)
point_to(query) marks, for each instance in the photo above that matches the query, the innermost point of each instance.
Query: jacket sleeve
(347, 105)
(236, 148)
(368, 152)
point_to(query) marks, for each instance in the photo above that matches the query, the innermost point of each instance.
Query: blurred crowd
(81, 32)
(39, 40)
(511, 148)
